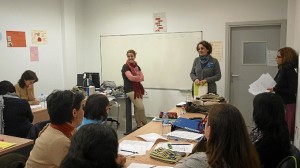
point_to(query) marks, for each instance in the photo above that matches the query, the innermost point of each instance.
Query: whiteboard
(166, 59)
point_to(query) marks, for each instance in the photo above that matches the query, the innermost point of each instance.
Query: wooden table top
(20, 143)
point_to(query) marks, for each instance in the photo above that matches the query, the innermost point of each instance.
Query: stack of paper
(185, 135)
(261, 85)
(4, 145)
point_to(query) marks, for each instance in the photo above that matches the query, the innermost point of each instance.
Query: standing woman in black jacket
(287, 83)
(15, 112)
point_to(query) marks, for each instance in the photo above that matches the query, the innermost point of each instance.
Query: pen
(129, 151)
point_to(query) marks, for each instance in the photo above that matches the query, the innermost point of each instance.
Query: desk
(152, 127)
(20, 143)
(40, 114)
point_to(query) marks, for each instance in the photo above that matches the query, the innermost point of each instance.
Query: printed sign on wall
(39, 37)
(160, 22)
(15, 39)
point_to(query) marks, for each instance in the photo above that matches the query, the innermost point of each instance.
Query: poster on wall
(160, 22)
(34, 54)
(39, 37)
(15, 39)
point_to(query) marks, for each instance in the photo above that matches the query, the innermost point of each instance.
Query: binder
(187, 124)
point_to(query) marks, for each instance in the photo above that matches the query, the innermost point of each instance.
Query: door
(248, 57)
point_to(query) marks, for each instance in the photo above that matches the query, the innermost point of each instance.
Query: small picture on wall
(39, 37)
(15, 39)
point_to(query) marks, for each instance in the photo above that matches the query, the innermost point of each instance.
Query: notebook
(187, 124)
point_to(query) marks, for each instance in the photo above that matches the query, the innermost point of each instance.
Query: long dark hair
(95, 107)
(27, 75)
(269, 117)
(93, 145)
(229, 143)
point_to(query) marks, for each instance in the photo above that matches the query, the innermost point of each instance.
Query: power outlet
(146, 94)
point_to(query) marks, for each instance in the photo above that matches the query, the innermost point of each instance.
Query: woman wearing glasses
(228, 143)
(206, 69)
(287, 83)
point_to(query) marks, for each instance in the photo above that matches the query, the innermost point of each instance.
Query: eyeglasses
(201, 124)
(278, 56)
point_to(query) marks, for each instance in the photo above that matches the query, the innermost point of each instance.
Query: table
(40, 114)
(20, 143)
(152, 127)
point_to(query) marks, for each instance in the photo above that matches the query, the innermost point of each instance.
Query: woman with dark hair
(25, 87)
(95, 109)
(228, 143)
(66, 112)
(287, 84)
(206, 69)
(132, 77)
(94, 146)
(15, 112)
(271, 136)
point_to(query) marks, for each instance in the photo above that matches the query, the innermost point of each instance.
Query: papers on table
(178, 147)
(139, 165)
(200, 90)
(152, 137)
(181, 104)
(185, 135)
(261, 85)
(129, 147)
(4, 145)
(35, 106)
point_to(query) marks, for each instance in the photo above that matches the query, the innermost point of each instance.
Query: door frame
(230, 26)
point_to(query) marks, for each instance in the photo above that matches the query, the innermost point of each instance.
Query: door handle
(235, 75)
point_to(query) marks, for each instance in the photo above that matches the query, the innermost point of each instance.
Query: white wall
(103, 17)
(74, 28)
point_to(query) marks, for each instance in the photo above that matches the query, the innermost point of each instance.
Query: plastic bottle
(42, 100)
(166, 127)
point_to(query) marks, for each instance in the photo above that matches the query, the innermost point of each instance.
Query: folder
(187, 124)
(4, 145)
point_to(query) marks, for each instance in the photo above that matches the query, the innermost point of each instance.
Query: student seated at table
(15, 113)
(66, 112)
(95, 109)
(25, 87)
(228, 143)
(271, 135)
(94, 146)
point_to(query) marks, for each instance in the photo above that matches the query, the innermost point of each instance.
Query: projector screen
(166, 59)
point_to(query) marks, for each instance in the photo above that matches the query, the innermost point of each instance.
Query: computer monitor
(95, 79)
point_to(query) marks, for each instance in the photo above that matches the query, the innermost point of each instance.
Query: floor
(122, 119)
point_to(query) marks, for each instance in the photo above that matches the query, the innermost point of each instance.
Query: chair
(36, 128)
(12, 160)
(109, 118)
(292, 161)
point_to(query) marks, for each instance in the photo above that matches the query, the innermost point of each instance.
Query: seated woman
(25, 87)
(271, 135)
(16, 112)
(66, 112)
(96, 146)
(228, 143)
(95, 109)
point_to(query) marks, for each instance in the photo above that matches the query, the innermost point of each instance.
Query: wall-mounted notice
(15, 39)
(34, 54)
(39, 37)
(160, 22)
(217, 50)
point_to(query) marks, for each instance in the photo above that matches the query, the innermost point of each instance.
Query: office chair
(110, 118)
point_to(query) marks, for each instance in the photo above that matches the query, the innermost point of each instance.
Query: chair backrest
(36, 128)
(292, 161)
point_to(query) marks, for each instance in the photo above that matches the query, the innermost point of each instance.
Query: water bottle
(166, 127)
(42, 100)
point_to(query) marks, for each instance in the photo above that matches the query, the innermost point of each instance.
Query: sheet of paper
(261, 85)
(129, 147)
(186, 135)
(152, 137)
(178, 147)
(139, 165)
(4, 145)
(35, 106)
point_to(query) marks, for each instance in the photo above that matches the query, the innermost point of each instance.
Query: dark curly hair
(27, 75)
